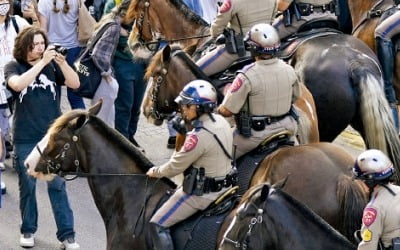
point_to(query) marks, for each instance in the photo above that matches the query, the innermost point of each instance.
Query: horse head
(156, 20)
(248, 218)
(60, 149)
(166, 75)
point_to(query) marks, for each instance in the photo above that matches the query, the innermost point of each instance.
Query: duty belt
(307, 9)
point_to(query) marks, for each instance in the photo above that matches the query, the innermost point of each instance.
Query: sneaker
(171, 142)
(70, 244)
(27, 240)
(3, 188)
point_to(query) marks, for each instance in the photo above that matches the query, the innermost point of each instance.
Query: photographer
(35, 79)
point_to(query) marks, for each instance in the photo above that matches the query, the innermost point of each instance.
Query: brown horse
(339, 70)
(364, 27)
(81, 144)
(170, 70)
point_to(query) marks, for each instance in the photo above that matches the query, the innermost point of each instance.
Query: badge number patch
(226, 6)
(190, 143)
(369, 216)
(366, 235)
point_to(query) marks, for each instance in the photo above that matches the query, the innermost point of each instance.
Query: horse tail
(304, 127)
(377, 118)
(352, 200)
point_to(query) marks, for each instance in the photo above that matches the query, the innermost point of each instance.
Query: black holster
(194, 181)
(287, 17)
(230, 42)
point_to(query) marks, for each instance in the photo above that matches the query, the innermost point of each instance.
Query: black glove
(179, 125)
(220, 39)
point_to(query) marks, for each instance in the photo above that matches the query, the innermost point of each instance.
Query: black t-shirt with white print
(38, 105)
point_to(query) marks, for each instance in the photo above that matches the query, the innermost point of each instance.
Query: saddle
(248, 163)
(310, 30)
(200, 231)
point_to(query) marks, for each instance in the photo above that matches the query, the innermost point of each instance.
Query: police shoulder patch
(369, 216)
(226, 6)
(237, 83)
(190, 142)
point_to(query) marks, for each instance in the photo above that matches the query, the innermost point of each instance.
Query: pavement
(89, 227)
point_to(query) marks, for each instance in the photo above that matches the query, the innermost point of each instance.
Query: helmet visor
(184, 99)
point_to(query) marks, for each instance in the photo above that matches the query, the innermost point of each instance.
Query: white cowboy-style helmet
(198, 92)
(373, 164)
(263, 39)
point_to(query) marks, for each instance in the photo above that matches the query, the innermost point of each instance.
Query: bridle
(256, 219)
(372, 13)
(54, 164)
(155, 43)
(161, 78)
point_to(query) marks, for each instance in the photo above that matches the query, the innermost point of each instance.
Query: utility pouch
(287, 17)
(240, 47)
(258, 123)
(200, 182)
(396, 243)
(243, 121)
(230, 41)
(189, 180)
(305, 9)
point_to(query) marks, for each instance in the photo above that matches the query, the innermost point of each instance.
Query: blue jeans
(129, 76)
(28, 205)
(74, 99)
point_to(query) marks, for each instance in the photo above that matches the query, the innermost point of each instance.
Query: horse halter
(256, 219)
(140, 23)
(199, 74)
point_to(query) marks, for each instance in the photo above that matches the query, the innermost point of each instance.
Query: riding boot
(161, 237)
(386, 59)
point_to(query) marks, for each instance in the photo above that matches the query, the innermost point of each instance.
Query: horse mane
(187, 13)
(309, 214)
(156, 59)
(65, 119)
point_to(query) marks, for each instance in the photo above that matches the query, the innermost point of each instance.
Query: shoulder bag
(88, 72)
(86, 23)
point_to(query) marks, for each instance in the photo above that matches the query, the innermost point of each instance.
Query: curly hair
(24, 42)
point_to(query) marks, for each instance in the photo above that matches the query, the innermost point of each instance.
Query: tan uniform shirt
(271, 85)
(201, 149)
(381, 219)
(249, 13)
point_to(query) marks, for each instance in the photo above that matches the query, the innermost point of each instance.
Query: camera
(60, 49)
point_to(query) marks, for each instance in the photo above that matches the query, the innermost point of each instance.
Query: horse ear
(81, 121)
(166, 53)
(264, 192)
(94, 110)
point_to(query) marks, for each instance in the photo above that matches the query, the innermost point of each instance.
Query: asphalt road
(89, 227)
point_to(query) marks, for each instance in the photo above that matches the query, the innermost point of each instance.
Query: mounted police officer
(381, 221)
(234, 20)
(384, 33)
(298, 12)
(205, 158)
(262, 94)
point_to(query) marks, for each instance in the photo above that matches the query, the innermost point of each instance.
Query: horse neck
(171, 16)
(291, 212)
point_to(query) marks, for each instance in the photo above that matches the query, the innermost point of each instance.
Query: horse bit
(257, 219)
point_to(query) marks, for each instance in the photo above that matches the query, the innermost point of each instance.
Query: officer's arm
(221, 21)
(282, 5)
(371, 229)
(224, 111)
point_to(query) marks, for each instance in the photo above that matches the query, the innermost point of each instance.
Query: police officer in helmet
(205, 158)
(262, 94)
(381, 217)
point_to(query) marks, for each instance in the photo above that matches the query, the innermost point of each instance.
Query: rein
(53, 166)
(373, 12)
(199, 74)
(257, 219)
